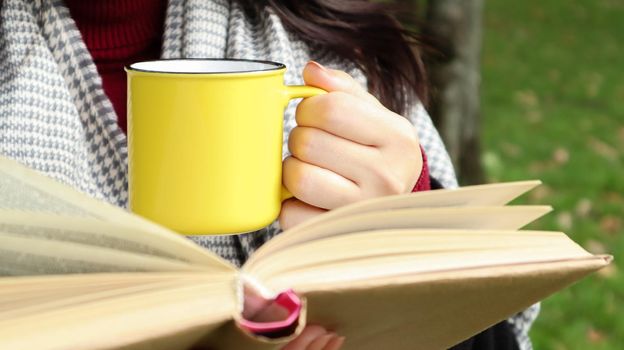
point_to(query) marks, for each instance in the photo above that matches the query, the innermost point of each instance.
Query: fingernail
(337, 342)
(327, 338)
(319, 66)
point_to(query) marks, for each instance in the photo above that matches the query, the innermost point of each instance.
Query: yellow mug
(205, 142)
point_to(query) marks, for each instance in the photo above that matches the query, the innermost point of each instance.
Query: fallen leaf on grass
(594, 84)
(595, 247)
(583, 207)
(526, 98)
(538, 167)
(554, 75)
(534, 116)
(603, 149)
(595, 336)
(611, 224)
(538, 194)
(613, 198)
(608, 271)
(564, 220)
(561, 155)
(510, 149)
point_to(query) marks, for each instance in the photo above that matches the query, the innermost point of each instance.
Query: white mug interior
(205, 66)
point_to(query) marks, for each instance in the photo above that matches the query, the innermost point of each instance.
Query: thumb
(295, 212)
(317, 75)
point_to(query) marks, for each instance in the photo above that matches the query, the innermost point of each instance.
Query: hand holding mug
(205, 142)
(347, 147)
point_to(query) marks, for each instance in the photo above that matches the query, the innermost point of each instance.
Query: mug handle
(292, 92)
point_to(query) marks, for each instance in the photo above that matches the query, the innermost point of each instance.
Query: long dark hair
(364, 32)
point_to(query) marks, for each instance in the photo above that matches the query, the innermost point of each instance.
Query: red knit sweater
(121, 32)
(118, 33)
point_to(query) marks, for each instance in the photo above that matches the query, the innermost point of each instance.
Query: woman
(62, 102)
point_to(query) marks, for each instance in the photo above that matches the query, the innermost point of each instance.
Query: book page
(365, 256)
(21, 256)
(497, 194)
(438, 310)
(94, 232)
(24, 190)
(35, 294)
(109, 311)
(377, 287)
(469, 218)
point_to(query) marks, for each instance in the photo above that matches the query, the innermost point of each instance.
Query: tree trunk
(454, 27)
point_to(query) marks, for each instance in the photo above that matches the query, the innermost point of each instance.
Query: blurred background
(534, 89)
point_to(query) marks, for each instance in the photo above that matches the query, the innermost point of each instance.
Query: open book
(415, 271)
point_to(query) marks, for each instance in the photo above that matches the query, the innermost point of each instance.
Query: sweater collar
(118, 24)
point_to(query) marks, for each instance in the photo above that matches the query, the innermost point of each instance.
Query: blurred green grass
(553, 109)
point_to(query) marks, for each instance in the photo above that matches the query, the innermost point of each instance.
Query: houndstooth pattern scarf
(56, 118)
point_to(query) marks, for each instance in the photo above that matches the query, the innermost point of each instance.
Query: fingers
(317, 186)
(315, 338)
(374, 171)
(254, 303)
(335, 343)
(347, 146)
(295, 212)
(321, 342)
(315, 74)
(349, 117)
(258, 309)
(346, 158)
(348, 110)
(270, 313)
(307, 336)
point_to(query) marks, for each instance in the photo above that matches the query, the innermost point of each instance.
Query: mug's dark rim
(276, 66)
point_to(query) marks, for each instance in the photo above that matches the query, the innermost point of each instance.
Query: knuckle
(388, 182)
(285, 215)
(394, 186)
(332, 109)
(343, 75)
(295, 177)
(326, 108)
(301, 142)
(348, 197)
(340, 96)
(341, 197)
(331, 106)
(406, 134)
(352, 85)
(304, 105)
